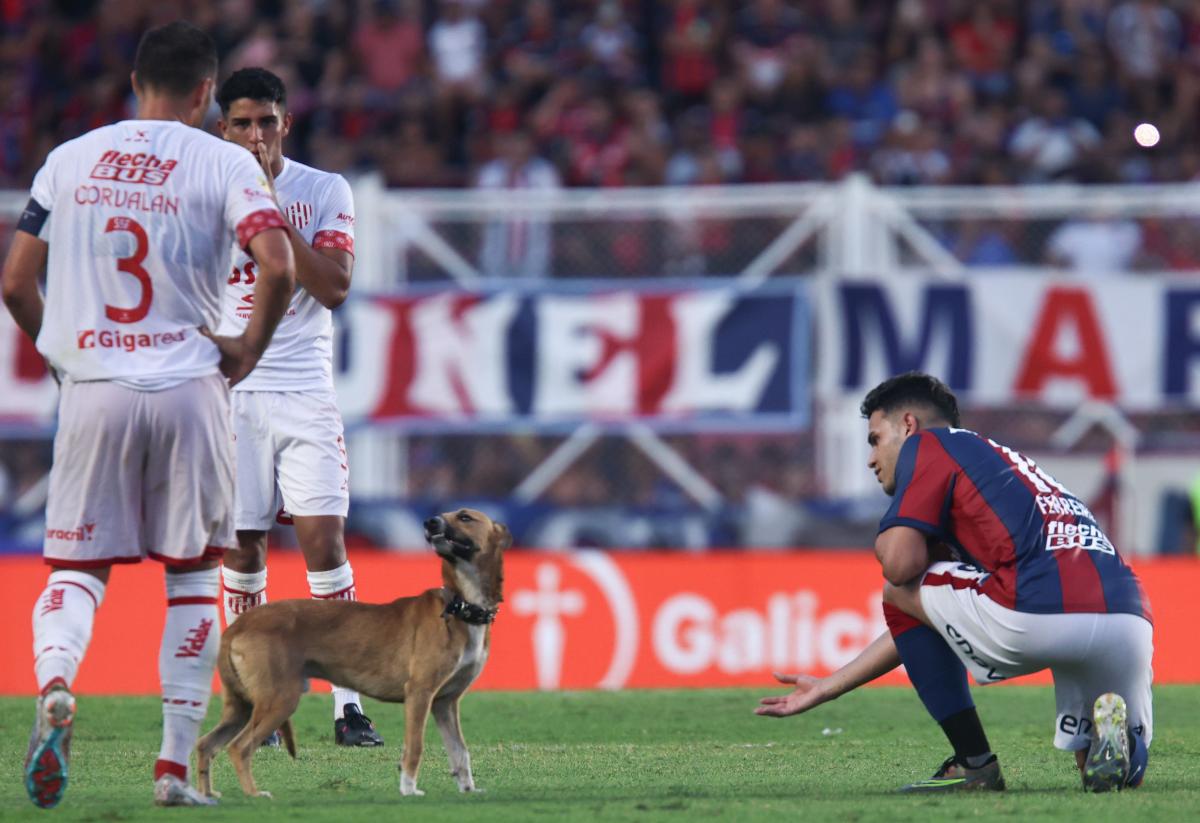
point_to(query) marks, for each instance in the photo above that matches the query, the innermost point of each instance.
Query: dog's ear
(501, 535)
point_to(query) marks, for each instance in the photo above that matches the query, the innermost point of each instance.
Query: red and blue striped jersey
(1041, 546)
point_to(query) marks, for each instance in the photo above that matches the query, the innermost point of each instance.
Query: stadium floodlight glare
(1146, 135)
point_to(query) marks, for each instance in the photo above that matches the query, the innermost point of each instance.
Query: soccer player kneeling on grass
(1035, 584)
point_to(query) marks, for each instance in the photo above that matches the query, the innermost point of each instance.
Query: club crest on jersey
(133, 167)
(299, 214)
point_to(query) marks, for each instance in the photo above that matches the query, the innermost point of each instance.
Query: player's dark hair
(913, 388)
(175, 58)
(255, 84)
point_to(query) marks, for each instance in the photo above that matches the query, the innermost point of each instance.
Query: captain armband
(33, 218)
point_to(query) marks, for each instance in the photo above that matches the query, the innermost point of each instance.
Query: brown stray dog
(423, 651)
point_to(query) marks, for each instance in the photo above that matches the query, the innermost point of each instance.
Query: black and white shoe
(1107, 766)
(354, 728)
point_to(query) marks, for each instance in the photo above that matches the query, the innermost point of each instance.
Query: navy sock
(940, 680)
(935, 671)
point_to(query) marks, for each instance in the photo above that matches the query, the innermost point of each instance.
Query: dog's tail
(289, 739)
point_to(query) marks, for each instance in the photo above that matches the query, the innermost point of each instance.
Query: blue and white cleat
(1107, 766)
(49, 748)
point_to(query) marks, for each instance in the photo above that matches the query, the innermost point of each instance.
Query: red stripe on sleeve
(1082, 590)
(256, 222)
(330, 239)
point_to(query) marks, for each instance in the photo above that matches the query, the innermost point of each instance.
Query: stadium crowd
(458, 93)
(638, 92)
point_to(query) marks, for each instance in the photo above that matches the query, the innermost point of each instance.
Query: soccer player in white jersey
(290, 448)
(133, 224)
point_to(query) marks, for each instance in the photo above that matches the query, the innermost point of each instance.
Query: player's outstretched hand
(808, 694)
(237, 360)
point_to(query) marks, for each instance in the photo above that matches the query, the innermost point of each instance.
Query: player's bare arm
(902, 553)
(272, 252)
(874, 661)
(324, 273)
(23, 266)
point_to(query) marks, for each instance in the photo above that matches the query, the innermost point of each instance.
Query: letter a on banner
(1065, 309)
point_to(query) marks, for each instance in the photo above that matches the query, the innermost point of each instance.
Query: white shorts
(140, 474)
(1088, 654)
(291, 454)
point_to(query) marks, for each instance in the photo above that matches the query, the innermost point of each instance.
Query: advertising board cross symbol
(548, 605)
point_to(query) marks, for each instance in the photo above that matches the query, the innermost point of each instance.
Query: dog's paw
(472, 789)
(408, 787)
(266, 794)
(212, 793)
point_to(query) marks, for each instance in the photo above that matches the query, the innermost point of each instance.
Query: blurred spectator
(1094, 245)
(458, 49)
(1145, 37)
(689, 38)
(984, 39)
(517, 246)
(863, 99)
(611, 44)
(1092, 96)
(532, 49)
(607, 86)
(767, 34)
(390, 45)
(910, 155)
(1052, 144)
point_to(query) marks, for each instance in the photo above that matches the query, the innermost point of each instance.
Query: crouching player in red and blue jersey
(1034, 584)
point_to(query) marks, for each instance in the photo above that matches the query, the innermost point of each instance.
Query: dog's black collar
(469, 612)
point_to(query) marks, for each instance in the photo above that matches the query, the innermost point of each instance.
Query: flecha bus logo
(133, 167)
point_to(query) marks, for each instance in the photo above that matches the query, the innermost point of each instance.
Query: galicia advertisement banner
(592, 619)
(1010, 338)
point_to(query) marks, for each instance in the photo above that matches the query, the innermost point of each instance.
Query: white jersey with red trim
(142, 218)
(319, 204)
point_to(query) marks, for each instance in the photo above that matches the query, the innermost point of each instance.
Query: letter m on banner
(923, 327)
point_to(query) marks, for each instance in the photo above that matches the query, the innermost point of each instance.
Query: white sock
(242, 591)
(190, 640)
(336, 584)
(62, 625)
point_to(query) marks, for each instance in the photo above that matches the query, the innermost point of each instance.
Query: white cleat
(169, 790)
(1107, 766)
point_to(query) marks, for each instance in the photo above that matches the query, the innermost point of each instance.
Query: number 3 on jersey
(132, 265)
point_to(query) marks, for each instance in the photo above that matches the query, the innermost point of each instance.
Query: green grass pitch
(637, 755)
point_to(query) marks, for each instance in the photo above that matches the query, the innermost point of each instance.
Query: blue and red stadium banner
(707, 354)
(1003, 339)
